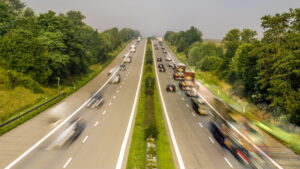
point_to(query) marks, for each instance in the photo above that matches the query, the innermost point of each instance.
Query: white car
(127, 60)
(112, 70)
(168, 59)
(116, 79)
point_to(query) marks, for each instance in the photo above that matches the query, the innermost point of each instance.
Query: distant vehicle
(133, 50)
(122, 67)
(133, 46)
(162, 69)
(126, 55)
(95, 101)
(156, 48)
(168, 58)
(139, 38)
(165, 51)
(161, 65)
(171, 88)
(112, 70)
(127, 60)
(179, 71)
(159, 59)
(192, 93)
(172, 65)
(188, 82)
(200, 106)
(116, 79)
(163, 47)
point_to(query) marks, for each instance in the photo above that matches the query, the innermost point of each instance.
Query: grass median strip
(149, 123)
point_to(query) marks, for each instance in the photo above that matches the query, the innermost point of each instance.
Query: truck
(188, 82)
(200, 106)
(179, 71)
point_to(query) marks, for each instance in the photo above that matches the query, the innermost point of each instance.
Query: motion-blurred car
(200, 106)
(165, 51)
(95, 101)
(192, 93)
(163, 47)
(116, 79)
(112, 70)
(70, 134)
(159, 59)
(171, 88)
(172, 65)
(161, 65)
(122, 67)
(168, 59)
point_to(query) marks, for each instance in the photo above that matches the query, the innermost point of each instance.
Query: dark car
(172, 65)
(159, 59)
(122, 66)
(171, 88)
(161, 66)
(163, 47)
(162, 69)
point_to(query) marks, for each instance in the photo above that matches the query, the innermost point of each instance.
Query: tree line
(266, 70)
(39, 48)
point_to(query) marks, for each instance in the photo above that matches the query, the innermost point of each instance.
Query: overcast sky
(154, 17)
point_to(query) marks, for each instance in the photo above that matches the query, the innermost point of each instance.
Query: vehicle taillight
(243, 156)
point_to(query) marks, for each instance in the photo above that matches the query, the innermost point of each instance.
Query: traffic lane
(30, 132)
(43, 159)
(103, 147)
(196, 144)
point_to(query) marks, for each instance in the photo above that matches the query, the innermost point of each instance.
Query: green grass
(30, 100)
(165, 157)
(289, 139)
(137, 153)
(216, 86)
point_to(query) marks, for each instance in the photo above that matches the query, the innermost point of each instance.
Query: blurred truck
(179, 71)
(188, 82)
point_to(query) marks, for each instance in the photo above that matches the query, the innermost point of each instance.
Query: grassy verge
(67, 89)
(149, 121)
(250, 111)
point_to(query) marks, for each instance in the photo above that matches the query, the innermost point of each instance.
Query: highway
(196, 145)
(104, 142)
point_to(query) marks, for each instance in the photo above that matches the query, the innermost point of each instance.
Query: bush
(14, 79)
(210, 63)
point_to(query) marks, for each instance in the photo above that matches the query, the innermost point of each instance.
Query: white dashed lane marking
(85, 138)
(67, 163)
(96, 124)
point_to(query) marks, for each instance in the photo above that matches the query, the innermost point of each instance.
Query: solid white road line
(67, 163)
(211, 140)
(104, 112)
(131, 118)
(200, 125)
(228, 162)
(96, 124)
(175, 145)
(257, 148)
(60, 125)
(85, 138)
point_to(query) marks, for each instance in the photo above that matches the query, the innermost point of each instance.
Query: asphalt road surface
(104, 141)
(196, 145)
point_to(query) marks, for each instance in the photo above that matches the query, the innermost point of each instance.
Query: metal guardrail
(29, 111)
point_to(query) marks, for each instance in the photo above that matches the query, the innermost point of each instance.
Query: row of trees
(267, 70)
(49, 45)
